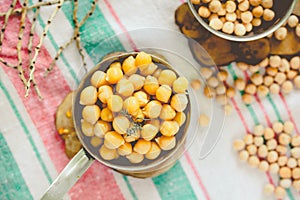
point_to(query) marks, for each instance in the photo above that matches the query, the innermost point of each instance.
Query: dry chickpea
(243, 155)
(272, 71)
(292, 163)
(248, 27)
(275, 61)
(295, 62)
(256, 22)
(244, 5)
(125, 149)
(153, 152)
(254, 68)
(264, 63)
(149, 131)
(179, 102)
(88, 96)
(131, 105)
(169, 128)
(277, 127)
(128, 66)
(157, 73)
(121, 124)
(262, 151)
(271, 144)
(293, 21)
(281, 33)
(242, 66)
(258, 12)
(222, 99)
(166, 142)
(274, 168)
(269, 133)
(284, 65)
(269, 189)
(240, 29)
(204, 12)
(106, 115)
(101, 128)
(262, 91)
(141, 97)
(215, 6)
(295, 152)
(246, 17)
(152, 109)
(206, 1)
(166, 77)
(297, 82)
(238, 145)
(240, 84)
(163, 93)
(253, 161)
(250, 89)
(212, 16)
(274, 88)
(296, 185)
(297, 30)
(284, 139)
(180, 85)
(287, 87)
(296, 141)
(228, 27)
(280, 77)
(115, 103)
(282, 160)
(196, 84)
(216, 24)
(272, 156)
(248, 139)
(282, 150)
(148, 69)
(151, 85)
(263, 166)
(180, 118)
(108, 154)
(285, 172)
(247, 98)
(257, 79)
(230, 17)
(285, 183)
(113, 140)
(268, 15)
(135, 157)
(258, 130)
(268, 80)
(167, 112)
(206, 72)
(222, 11)
(252, 149)
(204, 120)
(87, 128)
(104, 92)
(291, 74)
(221, 89)
(258, 141)
(296, 173)
(230, 6)
(267, 3)
(230, 92)
(98, 79)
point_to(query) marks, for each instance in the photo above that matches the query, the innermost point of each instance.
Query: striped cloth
(32, 154)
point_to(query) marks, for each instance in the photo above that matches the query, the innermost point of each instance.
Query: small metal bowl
(282, 9)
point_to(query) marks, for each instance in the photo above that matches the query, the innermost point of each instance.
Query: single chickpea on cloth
(135, 109)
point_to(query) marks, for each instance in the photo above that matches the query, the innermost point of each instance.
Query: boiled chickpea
(125, 149)
(104, 92)
(167, 112)
(101, 128)
(128, 66)
(204, 120)
(179, 102)
(169, 128)
(106, 115)
(138, 81)
(166, 142)
(91, 114)
(268, 15)
(88, 96)
(151, 85)
(220, 89)
(121, 124)
(142, 59)
(87, 128)
(131, 105)
(152, 109)
(107, 154)
(149, 131)
(113, 75)
(142, 146)
(142, 98)
(240, 84)
(206, 72)
(115, 103)
(196, 84)
(163, 93)
(149, 69)
(180, 118)
(180, 85)
(243, 155)
(167, 77)
(125, 88)
(98, 79)
(135, 157)
(153, 152)
(113, 140)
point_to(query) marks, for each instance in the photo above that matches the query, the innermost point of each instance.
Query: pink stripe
(182, 1)
(98, 182)
(114, 14)
(190, 162)
(241, 116)
(133, 45)
(289, 112)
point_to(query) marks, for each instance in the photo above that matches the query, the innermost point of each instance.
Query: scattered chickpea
(297, 82)
(274, 88)
(282, 160)
(247, 98)
(228, 109)
(252, 149)
(291, 74)
(269, 133)
(240, 84)
(206, 72)
(238, 145)
(254, 68)
(280, 192)
(296, 173)
(295, 62)
(257, 79)
(196, 84)
(295, 152)
(271, 144)
(257, 11)
(268, 15)
(282, 150)
(263, 166)
(213, 82)
(277, 127)
(216, 23)
(253, 161)
(248, 139)
(239, 30)
(287, 87)
(274, 168)
(258, 130)
(258, 141)
(268, 80)
(281, 33)
(262, 151)
(242, 66)
(230, 92)
(222, 99)
(296, 185)
(272, 71)
(295, 141)
(209, 92)
(269, 189)
(292, 163)
(293, 21)
(243, 155)
(280, 77)
(204, 120)
(272, 156)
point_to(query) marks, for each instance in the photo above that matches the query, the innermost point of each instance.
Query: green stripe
(12, 184)
(56, 47)
(25, 129)
(172, 184)
(251, 110)
(97, 47)
(130, 188)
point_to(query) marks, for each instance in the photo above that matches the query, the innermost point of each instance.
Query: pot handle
(69, 176)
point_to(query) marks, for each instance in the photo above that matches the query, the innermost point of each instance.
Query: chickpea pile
(291, 23)
(276, 150)
(237, 17)
(134, 109)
